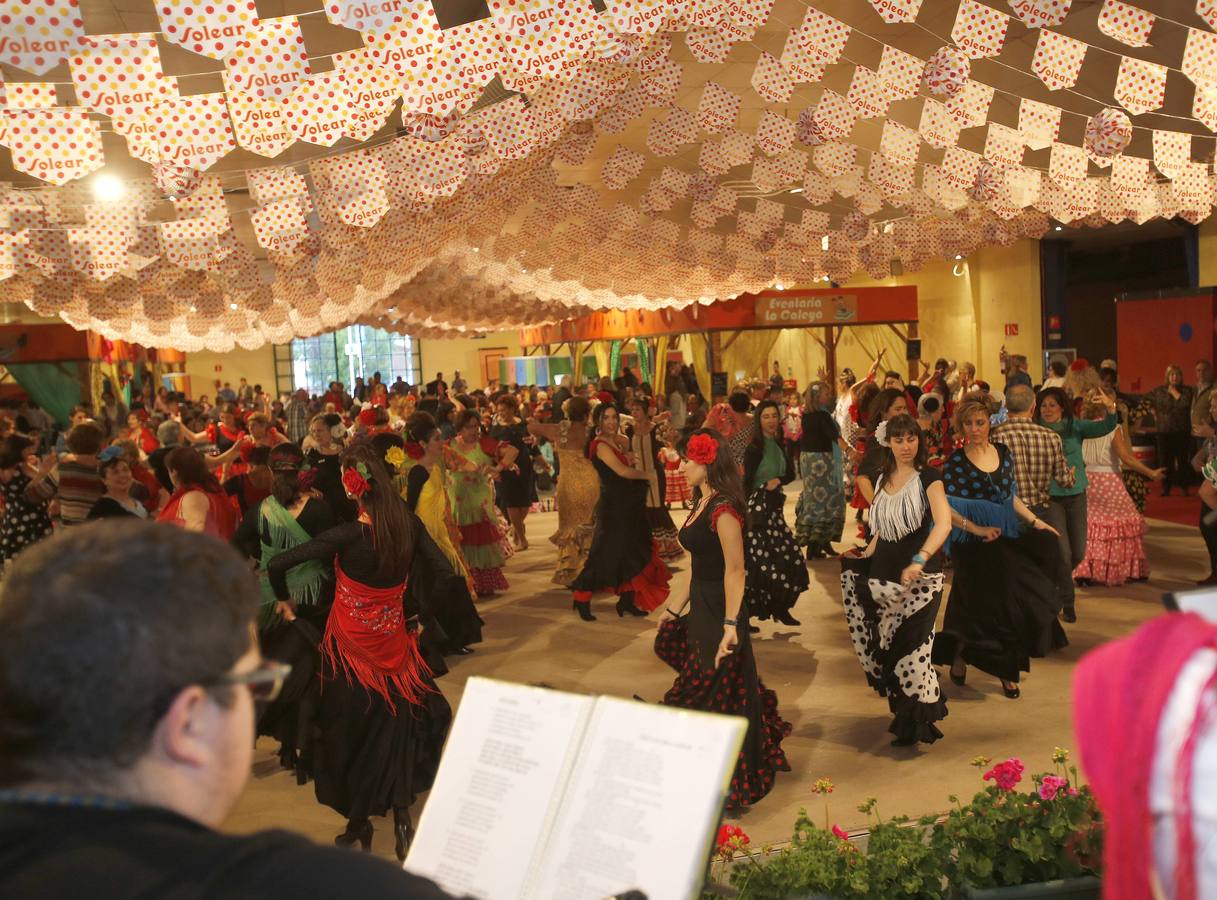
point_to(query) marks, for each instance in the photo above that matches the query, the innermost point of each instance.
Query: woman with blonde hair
(1173, 421)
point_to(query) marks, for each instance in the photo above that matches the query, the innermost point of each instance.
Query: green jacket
(1073, 432)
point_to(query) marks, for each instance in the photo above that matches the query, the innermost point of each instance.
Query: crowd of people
(376, 519)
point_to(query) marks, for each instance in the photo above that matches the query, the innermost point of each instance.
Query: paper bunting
(1200, 57)
(509, 128)
(38, 35)
(660, 86)
(54, 145)
(637, 16)
(748, 13)
(718, 108)
(1038, 123)
(892, 11)
(1191, 187)
(543, 38)
(316, 112)
(1140, 85)
(622, 167)
(738, 147)
(1066, 164)
(959, 167)
(899, 144)
(868, 94)
(1107, 133)
(836, 159)
(938, 127)
(1129, 175)
(660, 139)
(703, 14)
(1126, 23)
(774, 133)
(1172, 151)
(1003, 147)
(1041, 13)
(823, 37)
(1204, 106)
(771, 81)
(707, 45)
(119, 75)
(979, 30)
(193, 131)
(1207, 10)
(834, 116)
(1058, 60)
(902, 72)
(364, 15)
(890, 177)
(970, 107)
(258, 125)
(799, 61)
(372, 92)
(410, 47)
(269, 60)
(207, 30)
(946, 72)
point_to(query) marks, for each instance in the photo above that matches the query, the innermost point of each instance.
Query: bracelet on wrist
(729, 623)
(919, 558)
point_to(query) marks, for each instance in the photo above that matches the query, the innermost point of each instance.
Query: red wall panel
(1153, 332)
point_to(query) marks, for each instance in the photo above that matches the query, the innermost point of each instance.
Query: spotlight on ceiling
(958, 256)
(107, 187)
(232, 306)
(779, 286)
(796, 190)
(1058, 228)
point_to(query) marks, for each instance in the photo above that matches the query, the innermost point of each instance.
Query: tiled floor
(839, 725)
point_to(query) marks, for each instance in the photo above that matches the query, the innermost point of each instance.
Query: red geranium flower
(1006, 775)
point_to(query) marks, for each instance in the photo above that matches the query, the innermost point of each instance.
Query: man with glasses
(129, 674)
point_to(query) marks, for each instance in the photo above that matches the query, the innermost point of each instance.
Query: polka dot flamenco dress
(689, 645)
(891, 625)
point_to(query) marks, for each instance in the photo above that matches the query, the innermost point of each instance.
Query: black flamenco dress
(515, 489)
(689, 645)
(891, 624)
(1002, 609)
(381, 720)
(624, 558)
(777, 574)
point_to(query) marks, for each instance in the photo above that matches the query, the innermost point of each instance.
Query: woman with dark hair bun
(578, 488)
(289, 630)
(471, 491)
(198, 503)
(776, 572)
(892, 589)
(623, 559)
(382, 720)
(709, 647)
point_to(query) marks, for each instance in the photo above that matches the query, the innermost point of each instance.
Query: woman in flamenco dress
(623, 559)
(578, 488)
(777, 575)
(472, 494)
(290, 632)
(710, 647)
(892, 590)
(381, 721)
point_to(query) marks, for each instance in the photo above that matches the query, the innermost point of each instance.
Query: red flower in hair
(414, 450)
(702, 449)
(367, 417)
(1081, 364)
(354, 482)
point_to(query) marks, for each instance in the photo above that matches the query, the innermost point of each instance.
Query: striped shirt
(80, 486)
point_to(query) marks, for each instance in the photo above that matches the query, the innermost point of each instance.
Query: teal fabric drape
(614, 359)
(53, 386)
(644, 359)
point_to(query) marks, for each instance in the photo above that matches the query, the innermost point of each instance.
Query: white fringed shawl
(894, 516)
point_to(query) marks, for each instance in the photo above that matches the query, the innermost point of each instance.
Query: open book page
(643, 804)
(499, 784)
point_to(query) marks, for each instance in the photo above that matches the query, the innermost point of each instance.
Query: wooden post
(830, 354)
(716, 351)
(914, 364)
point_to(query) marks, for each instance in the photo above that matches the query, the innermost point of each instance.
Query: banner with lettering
(316, 111)
(1041, 13)
(193, 131)
(1058, 60)
(1038, 123)
(206, 29)
(868, 94)
(54, 145)
(372, 92)
(979, 30)
(1126, 23)
(119, 75)
(269, 60)
(38, 35)
(1140, 85)
(1172, 151)
(892, 11)
(364, 15)
(258, 125)
(774, 133)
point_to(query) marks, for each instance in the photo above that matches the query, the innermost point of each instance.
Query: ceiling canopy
(230, 173)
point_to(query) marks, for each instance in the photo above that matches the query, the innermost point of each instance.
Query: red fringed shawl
(366, 638)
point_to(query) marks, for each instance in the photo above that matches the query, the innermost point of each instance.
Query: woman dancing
(1002, 609)
(776, 573)
(472, 494)
(198, 503)
(623, 558)
(515, 487)
(382, 720)
(286, 519)
(710, 648)
(892, 589)
(578, 489)
(820, 511)
(645, 450)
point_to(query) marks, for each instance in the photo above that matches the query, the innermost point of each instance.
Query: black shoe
(403, 832)
(1069, 614)
(959, 679)
(626, 605)
(1012, 692)
(752, 629)
(359, 831)
(584, 610)
(786, 618)
(460, 651)
(904, 742)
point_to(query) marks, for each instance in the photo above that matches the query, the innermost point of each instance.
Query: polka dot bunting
(901, 72)
(269, 60)
(1172, 151)
(372, 92)
(1200, 57)
(258, 124)
(892, 11)
(1140, 85)
(119, 74)
(193, 131)
(771, 81)
(38, 35)
(1038, 123)
(364, 15)
(1058, 60)
(868, 93)
(54, 145)
(1125, 23)
(1108, 133)
(316, 112)
(979, 30)
(1041, 13)
(212, 30)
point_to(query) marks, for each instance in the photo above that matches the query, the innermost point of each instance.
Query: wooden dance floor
(840, 726)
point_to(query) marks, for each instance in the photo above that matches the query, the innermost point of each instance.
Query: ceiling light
(475, 249)
(958, 256)
(107, 187)
(232, 306)
(824, 242)
(1057, 228)
(796, 190)
(780, 286)
(193, 308)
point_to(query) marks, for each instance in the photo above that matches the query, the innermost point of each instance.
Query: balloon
(1107, 133)
(946, 72)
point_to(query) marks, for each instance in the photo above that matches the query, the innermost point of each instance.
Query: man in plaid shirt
(1038, 461)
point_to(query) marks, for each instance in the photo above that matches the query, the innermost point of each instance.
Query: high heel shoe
(786, 618)
(403, 832)
(626, 605)
(959, 679)
(358, 832)
(584, 610)
(1012, 692)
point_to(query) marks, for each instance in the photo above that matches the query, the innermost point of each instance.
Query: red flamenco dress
(381, 719)
(689, 645)
(624, 558)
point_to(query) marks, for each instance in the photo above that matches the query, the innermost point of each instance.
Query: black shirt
(52, 852)
(820, 432)
(156, 462)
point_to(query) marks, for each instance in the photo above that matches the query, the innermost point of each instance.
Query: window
(350, 353)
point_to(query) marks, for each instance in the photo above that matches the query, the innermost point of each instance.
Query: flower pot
(1084, 888)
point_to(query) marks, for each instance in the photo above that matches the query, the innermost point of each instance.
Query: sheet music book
(544, 795)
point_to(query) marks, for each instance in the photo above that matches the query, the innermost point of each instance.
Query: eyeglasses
(265, 682)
